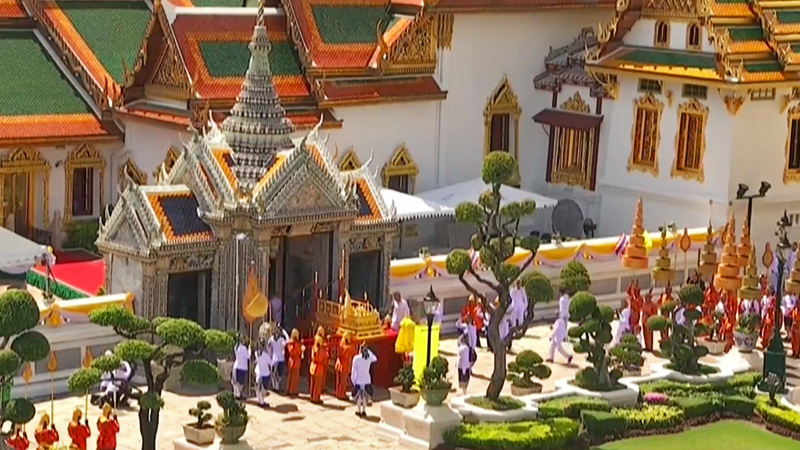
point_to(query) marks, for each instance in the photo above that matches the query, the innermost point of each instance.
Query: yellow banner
(421, 347)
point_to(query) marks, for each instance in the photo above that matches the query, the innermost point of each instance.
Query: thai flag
(622, 244)
(475, 259)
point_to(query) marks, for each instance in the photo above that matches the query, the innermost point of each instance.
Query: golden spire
(750, 289)
(793, 283)
(635, 256)
(663, 272)
(744, 245)
(708, 260)
(727, 276)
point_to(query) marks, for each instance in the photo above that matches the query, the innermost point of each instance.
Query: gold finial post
(636, 256)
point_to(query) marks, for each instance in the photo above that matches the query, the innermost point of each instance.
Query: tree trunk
(602, 373)
(148, 427)
(499, 372)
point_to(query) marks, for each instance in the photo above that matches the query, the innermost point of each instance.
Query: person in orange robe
(728, 320)
(107, 427)
(46, 434)
(78, 432)
(710, 299)
(768, 324)
(294, 351)
(344, 362)
(635, 302)
(316, 370)
(649, 309)
(473, 309)
(795, 336)
(19, 441)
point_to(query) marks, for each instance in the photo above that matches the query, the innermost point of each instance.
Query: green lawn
(727, 435)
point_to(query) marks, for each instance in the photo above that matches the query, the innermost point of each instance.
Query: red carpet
(78, 269)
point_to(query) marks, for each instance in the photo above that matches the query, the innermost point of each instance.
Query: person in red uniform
(78, 432)
(294, 353)
(344, 363)
(473, 309)
(19, 441)
(795, 336)
(316, 370)
(46, 434)
(767, 328)
(649, 309)
(107, 428)
(635, 302)
(711, 298)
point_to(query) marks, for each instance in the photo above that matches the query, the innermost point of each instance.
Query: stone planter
(199, 436)
(403, 399)
(520, 391)
(744, 342)
(225, 368)
(229, 434)
(632, 372)
(434, 397)
(714, 347)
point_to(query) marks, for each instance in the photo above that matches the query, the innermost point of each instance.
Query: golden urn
(727, 276)
(663, 272)
(635, 256)
(750, 289)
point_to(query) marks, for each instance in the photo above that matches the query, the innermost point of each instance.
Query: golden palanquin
(357, 317)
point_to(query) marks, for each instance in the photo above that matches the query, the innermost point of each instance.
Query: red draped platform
(79, 270)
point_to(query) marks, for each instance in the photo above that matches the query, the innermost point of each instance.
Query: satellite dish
(567, 219)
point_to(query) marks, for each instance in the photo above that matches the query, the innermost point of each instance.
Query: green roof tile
(763, 66)
(230, 59)
(225, 3)
(746, 33)
(112, 29)
(667, 58)
(350, 24)
(32, 83)
(792, 16)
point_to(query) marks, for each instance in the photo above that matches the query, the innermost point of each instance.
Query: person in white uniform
(624, 324)
(400, 310)
(276, 310)
(519, 303)
(241, 364)
(112, 381)
(361, 379)
(466, 326)
(466, 359)
(277, 347)
(788, 304)
(263, 356)
(560, 329)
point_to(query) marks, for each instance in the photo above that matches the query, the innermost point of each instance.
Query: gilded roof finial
(750, 289)
(636, 256)
(727, 276)
(744, 245)
(260, 15)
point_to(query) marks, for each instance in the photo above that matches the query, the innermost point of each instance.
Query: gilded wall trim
(647, 104)
(400, 165)
(733, 102)
(169, 161)
(85, 156)
(791, 175)
(349, 161)
(129, 170)
(444, 30)
(696, 109)
(27, 160)
(502, 101)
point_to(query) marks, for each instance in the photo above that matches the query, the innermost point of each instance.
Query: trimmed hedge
(553, 434)
(740, 405)
(572, 406)
(600, 425)
(701, 406)
(651, 417)
(778, 415)
(741, 384)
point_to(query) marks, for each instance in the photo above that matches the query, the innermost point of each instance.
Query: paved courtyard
(298, 424)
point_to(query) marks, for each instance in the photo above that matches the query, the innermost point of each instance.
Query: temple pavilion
(244, 197)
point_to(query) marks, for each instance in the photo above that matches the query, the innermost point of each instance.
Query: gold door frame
(28, 160)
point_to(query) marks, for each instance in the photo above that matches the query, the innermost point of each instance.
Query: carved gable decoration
(307, 191)
(577, 104)
(123, 236)
(308, 197)
(415, 49)
(169, 79)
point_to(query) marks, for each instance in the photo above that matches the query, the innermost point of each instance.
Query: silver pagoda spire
(257, 127)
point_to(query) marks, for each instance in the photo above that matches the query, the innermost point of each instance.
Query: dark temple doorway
(303, 257)
(365, 277)
(189, 296)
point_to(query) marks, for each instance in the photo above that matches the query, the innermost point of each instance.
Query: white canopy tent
(411, 207)
(18, 254)
(469, 191)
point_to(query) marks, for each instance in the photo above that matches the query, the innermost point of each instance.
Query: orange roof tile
(369, 198)
(20, 128)
(386, 90)
(11, 9)
(787, 28)
(223, 157)
(749, 47)
(731, 10)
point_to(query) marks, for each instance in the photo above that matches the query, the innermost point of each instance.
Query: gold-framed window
(694, 91)
(650, 85)
(661, 34)
(401, 172)
(693, 37)
(349, 161)
(645, 134)
(791, 169)
(169, 161)
(24, 191)
(130, 170)
(690, 142)
(501, 121)
(84, 174)
(573, 160)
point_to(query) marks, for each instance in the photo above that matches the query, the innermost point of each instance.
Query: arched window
(501, 120)
(132, 171)
(84, 174)
(661, 38)
(349, 161)
(401, 172)
(693, 37)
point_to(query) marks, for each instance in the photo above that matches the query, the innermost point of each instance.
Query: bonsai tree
(201, 414)
(19, 344)
(526, 365)
(496, 238)
(593, 333)
(574, 278)
(627, 354)
(405, 378)
(234, 415)
(748, 324)
(434, 377)
(682, 348)
(157, 346)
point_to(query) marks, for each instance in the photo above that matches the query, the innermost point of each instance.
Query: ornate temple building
(245, 197)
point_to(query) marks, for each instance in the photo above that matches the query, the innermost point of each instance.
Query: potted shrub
(433, 385)
(627, 356)
(746, 332)
(232, 423)
(404, 395)
(221, 343)
(528, 364)
(200, 432)
(712, 340)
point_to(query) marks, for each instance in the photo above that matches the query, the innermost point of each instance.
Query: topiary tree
(527, 365)
(681, 348)
(496, 238)
(574, 278)
(157, 346)
(593, 333)
(627, 354)
(19, 344)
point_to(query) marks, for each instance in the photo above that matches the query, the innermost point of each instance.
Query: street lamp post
(431, 304)
(775, 354)
(741, 194)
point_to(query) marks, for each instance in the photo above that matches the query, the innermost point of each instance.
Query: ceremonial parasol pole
(52, 366)
(86, 363)
(27, 374)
